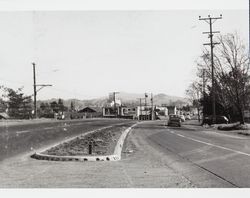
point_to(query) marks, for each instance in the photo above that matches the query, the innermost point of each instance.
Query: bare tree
(193, 94)
(231, 72)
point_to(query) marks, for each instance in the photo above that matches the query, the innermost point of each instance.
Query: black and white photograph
(125, 98)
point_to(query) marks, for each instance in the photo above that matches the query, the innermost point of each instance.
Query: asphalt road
(154, 156)
(25, 137)
(224, 155)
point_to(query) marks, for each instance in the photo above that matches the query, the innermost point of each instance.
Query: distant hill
(126, 98)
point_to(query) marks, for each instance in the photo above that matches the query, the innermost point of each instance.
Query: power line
(210, 20)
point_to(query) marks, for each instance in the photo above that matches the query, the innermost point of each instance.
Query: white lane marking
(25, 131)
(48, 128)
(214, 145)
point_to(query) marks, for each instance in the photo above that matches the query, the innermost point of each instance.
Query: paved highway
(154, 155)
(24, 137)
(224, 155)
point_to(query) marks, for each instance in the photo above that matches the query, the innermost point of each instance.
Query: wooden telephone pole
(35, 89)
(210, 20)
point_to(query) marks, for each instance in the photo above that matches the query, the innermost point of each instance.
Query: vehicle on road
(219, 120)
(182, 118)
(187, 117)
(174, 120)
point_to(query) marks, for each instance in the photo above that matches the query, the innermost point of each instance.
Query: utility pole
(210, 20)
(152, 107)
(34, 79)
(203, 82)
(114, 93)
(146, 113)
(140, 109)
(35, 90)
(203, 91)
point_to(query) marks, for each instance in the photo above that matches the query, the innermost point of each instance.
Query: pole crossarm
(42, 86)
(214, 43)
(210, 20)
(214, 32)
(35, 88)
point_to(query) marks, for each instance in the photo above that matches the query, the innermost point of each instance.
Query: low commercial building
(145, 113)
(120, 112)
(172, 110)
(162, 111)
(91, 112)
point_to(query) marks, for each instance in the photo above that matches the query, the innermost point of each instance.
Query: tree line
(231, 79)
(20, 106)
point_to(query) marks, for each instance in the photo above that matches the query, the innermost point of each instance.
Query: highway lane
(154, 155)
(16, 139)
(223, 155)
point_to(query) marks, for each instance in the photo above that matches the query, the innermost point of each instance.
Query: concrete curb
(115, 157)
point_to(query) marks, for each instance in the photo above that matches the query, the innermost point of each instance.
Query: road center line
(180, 135)
(210, 144)
(25, 131)
(46, 128)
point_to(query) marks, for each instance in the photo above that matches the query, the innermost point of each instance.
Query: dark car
(174, 120)
(219, 120)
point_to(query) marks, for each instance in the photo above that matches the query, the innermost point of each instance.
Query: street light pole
(152, 106)
(35, 90)
(146, 113)
(34, 79)
(140, 112)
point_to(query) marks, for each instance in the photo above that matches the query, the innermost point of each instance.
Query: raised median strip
(42, 155)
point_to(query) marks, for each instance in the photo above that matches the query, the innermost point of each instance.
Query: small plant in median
(102, 142)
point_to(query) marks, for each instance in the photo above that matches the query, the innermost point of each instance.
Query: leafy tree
(54, 106)
(61, 106)
(3, 104)
(194, 94)
(72, 106)
(19, 105)
(186, 108)
(45, 110)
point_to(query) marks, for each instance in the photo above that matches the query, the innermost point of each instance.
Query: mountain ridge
(126, 98)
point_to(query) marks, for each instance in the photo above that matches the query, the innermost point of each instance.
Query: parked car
(174, 120)
(188, 117)
(182, 118)
(219, 120)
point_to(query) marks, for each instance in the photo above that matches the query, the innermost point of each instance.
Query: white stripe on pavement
(214, 145)
(46, 128)
(25, 131)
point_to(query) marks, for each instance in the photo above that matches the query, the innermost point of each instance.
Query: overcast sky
(87, 54)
